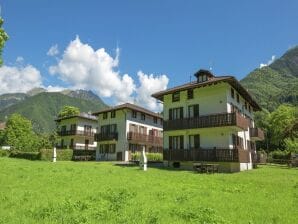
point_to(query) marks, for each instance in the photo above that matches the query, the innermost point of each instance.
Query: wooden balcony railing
(214, 120)
(207, 154)
(143, 138)
(76, 132)
(256, 133)
(106, 136)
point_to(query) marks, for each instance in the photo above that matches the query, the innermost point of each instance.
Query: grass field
(90, 192)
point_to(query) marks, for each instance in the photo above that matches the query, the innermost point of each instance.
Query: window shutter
(197, 141)
(181, 142)
(181, 112)
(170, 114)
(196, 110)
(170, 142)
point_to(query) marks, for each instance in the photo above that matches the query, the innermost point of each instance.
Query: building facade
(126, 129)
(77, 133)
(209, 120)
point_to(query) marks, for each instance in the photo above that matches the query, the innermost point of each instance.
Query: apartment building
(209, 120)
(77, 132)
(126, 129)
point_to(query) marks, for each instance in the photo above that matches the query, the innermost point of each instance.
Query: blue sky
(174, 38)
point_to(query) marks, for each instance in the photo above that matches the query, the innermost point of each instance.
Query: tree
(68, 111)
(3, 39)
(19, 134)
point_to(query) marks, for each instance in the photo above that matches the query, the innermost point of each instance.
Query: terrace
(207, 154)
(106, 136)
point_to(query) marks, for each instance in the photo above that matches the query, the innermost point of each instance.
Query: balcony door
(86, 143)
(194, 141)
(193, 111)
(176, 142)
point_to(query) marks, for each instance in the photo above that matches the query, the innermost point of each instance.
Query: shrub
(4, 153)
(278, 154)
(62, 154)
(150, 156)
(25, 155)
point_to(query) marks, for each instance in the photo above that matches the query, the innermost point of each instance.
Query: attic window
(238, 98)
(113, 114)
(176, 97)
(232, 93)
(105, 115)
(190, 94)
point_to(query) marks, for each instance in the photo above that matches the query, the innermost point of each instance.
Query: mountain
(43, 107)
(277, 83)
(9, 99)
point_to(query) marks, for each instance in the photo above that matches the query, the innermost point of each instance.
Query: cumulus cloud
(150, 84)
(273, 57)
(53, 50)
(83, 67)
(19, 78)
(86, 68)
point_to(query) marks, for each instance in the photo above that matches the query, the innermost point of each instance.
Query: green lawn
(90, 192)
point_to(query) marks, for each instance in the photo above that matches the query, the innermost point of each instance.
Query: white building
(77, 132)
(209, 120)
(125, 129)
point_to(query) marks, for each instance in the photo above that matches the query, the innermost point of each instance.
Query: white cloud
(86, 68)
(19, 78)
(19, 59)
(149, 85)
(53, 50)
(273, 57)
(54, 88)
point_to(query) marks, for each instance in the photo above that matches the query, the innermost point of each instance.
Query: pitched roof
(81, 115)
(229, 79)
(128, 106)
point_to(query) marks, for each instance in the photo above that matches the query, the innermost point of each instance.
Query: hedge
(62, 154)
(25, 155)
(150, 156)
(4, 153)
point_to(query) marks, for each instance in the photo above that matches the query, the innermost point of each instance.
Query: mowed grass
(94, 192)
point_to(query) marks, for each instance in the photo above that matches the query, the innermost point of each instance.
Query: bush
(62, 154)
(25, 155)
(4, 153)
(156, 157)
(278, 154)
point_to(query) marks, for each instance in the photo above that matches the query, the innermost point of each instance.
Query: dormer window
(203, 75)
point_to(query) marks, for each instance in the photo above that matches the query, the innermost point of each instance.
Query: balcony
(145, 139)
(83, 147)
(256, 134)
(106, 136)
(76, 132)
(207, 121)
(207, 154)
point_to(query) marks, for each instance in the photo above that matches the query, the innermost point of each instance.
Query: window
(245, 105)
(87, 128)
(105, 115)
(155, 120)
(113, 114)
(232, 93)
(142, 117)
(107, 148)
(176, 113)
(73, 127)
(176, 97)
(194, 141)
(107, 129)
(193, 111)
(176, 142)
(249, 108)
(238, 98)
(202, 78)
(190, 94)
(134, 114)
